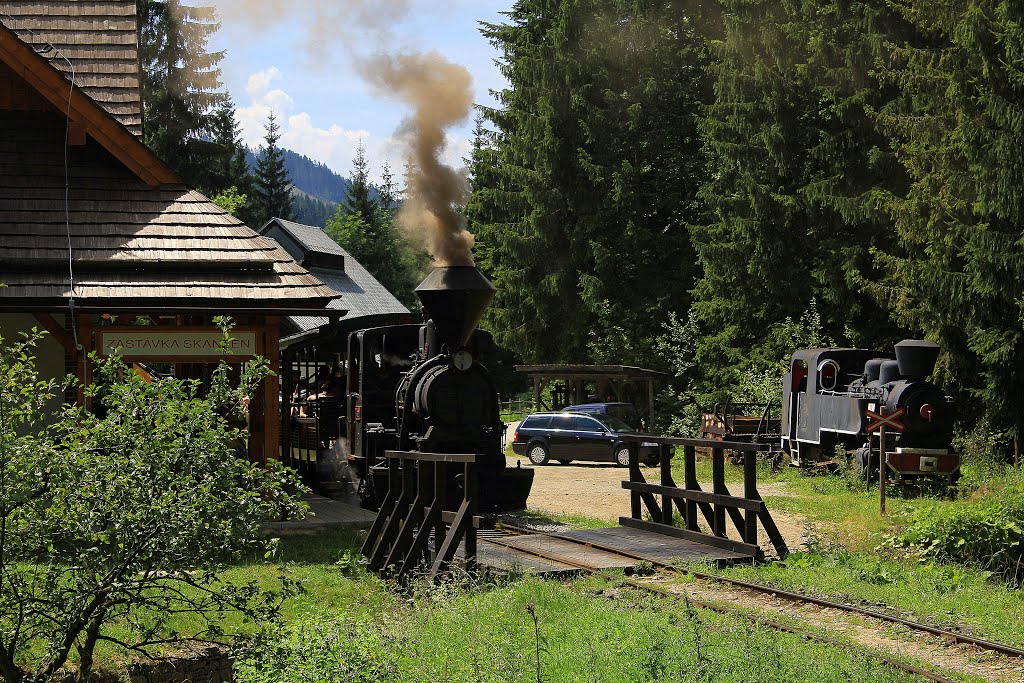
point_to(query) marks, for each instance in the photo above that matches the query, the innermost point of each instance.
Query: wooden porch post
(271, 391)
(650, 405)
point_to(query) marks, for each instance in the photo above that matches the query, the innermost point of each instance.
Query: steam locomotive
(827, 392)
(420, 388)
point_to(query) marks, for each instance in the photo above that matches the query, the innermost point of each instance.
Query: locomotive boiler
(827, 392)
(421, 388)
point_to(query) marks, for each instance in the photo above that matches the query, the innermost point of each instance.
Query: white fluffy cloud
(335, 145)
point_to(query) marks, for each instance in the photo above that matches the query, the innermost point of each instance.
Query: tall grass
(533, 631)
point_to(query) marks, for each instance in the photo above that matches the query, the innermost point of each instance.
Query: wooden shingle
(99, 39)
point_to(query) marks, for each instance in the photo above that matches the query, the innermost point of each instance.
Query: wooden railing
(398, 543)
(718, 506)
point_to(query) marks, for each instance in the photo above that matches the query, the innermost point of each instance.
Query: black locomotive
(420, 388)
(826, 395)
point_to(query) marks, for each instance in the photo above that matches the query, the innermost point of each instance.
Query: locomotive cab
(818, 413)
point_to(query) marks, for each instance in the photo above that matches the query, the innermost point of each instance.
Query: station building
(101, 243)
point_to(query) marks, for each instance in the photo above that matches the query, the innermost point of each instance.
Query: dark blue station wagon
(566, 436)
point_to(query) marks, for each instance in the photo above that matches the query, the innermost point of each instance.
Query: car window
(588, 424)
(561, 422)
(536, 422)
(617, 425)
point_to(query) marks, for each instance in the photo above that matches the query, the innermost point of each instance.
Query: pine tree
(181, 87)
(958, 271)
(272, 186)
(582, 193)
(797, 161)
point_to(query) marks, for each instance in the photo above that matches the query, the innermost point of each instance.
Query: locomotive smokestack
(455, 298)
(916, 358)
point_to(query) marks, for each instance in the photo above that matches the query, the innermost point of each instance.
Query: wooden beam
(58, 332)
(271, 390)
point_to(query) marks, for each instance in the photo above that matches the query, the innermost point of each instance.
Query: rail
(716, 506)
(414, 511)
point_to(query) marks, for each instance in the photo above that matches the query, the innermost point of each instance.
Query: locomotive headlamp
(927, 412)
(463, 360)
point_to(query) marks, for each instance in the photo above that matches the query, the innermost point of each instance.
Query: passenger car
(566, 436)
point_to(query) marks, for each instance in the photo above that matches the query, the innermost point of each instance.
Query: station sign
(152, 343)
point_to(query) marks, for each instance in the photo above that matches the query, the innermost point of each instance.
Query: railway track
(793, 597)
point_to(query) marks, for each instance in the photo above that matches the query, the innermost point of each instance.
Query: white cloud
(334, 145)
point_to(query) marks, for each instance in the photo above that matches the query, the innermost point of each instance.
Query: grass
(949, 596)
(532, 630)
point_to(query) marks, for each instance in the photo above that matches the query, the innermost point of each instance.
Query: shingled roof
(98, 37)
(367, 301)
(131, 232)
(129, 241)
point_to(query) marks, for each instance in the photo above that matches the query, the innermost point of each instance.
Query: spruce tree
(958, 270)
(366, 229)
(582, 195)
(272, 186)
(797, 162)
(181, 87)
(228, 167)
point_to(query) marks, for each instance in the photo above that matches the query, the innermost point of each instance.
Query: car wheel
(537, 453)
(564, 462)
(622, 455)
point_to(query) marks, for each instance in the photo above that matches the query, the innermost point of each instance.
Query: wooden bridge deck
(612, 548)
(324, 513)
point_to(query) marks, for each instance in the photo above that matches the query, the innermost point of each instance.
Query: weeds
(538, 639)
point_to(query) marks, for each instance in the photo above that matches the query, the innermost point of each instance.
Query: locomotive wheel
(622, 455)
(538, 454)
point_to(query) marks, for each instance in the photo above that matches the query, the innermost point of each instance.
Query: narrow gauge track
(768, 590)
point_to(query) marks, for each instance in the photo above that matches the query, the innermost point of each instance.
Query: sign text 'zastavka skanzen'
(151, 343)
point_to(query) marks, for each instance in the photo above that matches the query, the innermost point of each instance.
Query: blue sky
(323, 106)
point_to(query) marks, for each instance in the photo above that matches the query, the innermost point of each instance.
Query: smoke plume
(326, 21)
(439, 92)
(441, 96)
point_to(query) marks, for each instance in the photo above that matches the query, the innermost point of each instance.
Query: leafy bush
(115, 521)
(321, 648)
(985, 531)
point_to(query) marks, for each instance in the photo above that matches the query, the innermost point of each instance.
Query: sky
(323, 105)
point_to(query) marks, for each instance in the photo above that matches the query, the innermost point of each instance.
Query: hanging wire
(49, 51)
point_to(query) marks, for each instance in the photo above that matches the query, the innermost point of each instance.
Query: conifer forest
(703, 186)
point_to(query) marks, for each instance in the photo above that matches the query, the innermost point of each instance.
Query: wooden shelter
(594, 384)
(99, 237)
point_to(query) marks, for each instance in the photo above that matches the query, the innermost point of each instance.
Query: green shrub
(986, 530)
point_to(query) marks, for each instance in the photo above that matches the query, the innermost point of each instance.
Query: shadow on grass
(323, 546)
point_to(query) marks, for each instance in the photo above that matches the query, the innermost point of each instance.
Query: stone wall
(209, 665)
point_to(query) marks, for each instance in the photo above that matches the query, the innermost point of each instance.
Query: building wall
(287, 243)
(48, 352)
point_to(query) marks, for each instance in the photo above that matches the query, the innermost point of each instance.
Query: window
(588, 424)
(562, 422)
(536, 422)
